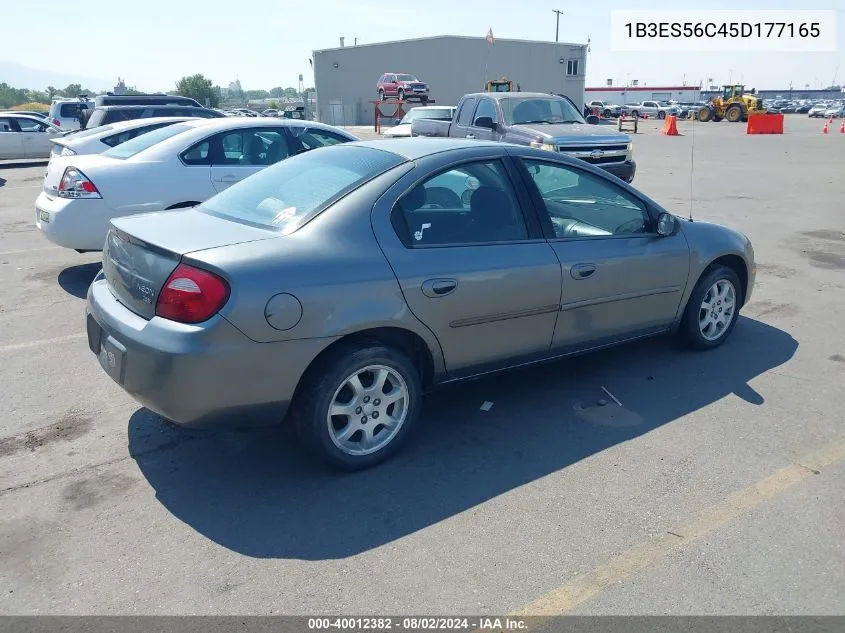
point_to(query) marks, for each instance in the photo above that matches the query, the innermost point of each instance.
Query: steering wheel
(433, 205)
(626, 227)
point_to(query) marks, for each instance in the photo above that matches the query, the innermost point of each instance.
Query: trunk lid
(142, 251)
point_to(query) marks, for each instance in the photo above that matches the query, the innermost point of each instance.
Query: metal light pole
(557, 24)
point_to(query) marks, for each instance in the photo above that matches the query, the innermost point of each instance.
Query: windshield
(405, 78)
(285, 196)
(539, 110)
(441, 114)
(145, 141)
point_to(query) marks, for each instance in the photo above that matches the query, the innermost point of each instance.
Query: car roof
(147, 106)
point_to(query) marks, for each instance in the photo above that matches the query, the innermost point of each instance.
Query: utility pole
(557, 24)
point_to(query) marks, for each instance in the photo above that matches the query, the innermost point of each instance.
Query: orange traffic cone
(842, 128)
(670, 127)
(824, 130)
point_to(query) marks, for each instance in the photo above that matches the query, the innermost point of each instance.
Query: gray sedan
(336, 287)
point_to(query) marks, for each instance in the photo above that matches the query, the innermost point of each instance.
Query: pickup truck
(541, 120)
(654, 109)
(606, 109)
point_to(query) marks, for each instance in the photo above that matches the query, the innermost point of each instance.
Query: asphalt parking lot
(716, 488)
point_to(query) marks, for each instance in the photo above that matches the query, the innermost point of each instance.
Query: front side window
(582, 205)
(487, 108)
(471, 204)
(252, 147)
(31, 125)
(518, 111)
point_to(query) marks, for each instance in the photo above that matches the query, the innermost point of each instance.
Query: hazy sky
(264, 43)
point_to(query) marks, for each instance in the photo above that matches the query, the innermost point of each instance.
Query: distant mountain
(19, 76)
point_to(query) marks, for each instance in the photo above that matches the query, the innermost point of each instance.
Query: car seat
(443, 197)
(493, 216)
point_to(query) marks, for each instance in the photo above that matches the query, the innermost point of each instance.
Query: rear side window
(311, 138)
(6, 125)
(288, 194)
(199, 154)
(71, 110)
(465, 115)
(145, 141)
(121, 137)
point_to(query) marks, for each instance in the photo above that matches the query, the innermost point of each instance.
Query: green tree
(273, 105)
(277, 92)
(73, 90)
(52, 91)
(290, 92)
(256, 94)
(11, 96)
(37, 96)
(198, 87)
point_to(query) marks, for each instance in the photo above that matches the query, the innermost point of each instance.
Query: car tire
(381, 95)
(328, 384)
(715, 301)
(400, 94)
(661, 115)
(635, 114)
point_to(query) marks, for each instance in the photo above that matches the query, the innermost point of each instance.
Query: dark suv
(103, 115)
(402, 86)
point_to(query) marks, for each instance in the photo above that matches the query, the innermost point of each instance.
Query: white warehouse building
(620, 95)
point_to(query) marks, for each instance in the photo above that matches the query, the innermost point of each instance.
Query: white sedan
(403, 128)
(25, 136)
(99, 139)
(172, 167)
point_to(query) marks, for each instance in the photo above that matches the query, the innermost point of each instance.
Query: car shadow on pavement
(75, 280)
(2, 181)
(254, 492)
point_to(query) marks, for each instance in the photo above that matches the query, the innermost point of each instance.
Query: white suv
(64, 113)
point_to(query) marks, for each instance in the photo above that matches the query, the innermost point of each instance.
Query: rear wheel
(381, 94)
(712, 309)
(635, 114)
(359, 405)
(661, 115)
(734, 113)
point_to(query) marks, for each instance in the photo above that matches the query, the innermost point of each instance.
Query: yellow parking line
(566, 597)
(44, 341)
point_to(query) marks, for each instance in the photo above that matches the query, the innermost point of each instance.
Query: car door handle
(439, 287)
(229, 178)
(470, 135)
(582, 271)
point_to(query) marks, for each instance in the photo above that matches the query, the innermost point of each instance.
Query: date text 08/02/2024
(418, 624)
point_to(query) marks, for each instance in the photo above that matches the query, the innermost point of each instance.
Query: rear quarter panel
(333, 266)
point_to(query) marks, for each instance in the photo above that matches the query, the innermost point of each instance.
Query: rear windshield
(145, 141)
(285, 196)
(89, 131)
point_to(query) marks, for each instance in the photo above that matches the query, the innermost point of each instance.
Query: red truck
(402, 86)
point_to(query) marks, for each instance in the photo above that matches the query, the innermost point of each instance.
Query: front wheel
(401, 94)
(661, 115)
(359, 405)
(381, 95)
(712, 309)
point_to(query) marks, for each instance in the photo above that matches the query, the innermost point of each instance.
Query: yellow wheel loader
(734, 104)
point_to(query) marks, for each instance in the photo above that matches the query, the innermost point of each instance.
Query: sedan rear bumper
(202, 375)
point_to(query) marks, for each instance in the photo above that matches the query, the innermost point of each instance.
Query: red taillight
(191, 295)
(75, 184)
(57, 123)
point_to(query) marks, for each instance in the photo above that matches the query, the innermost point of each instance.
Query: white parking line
(40, 342)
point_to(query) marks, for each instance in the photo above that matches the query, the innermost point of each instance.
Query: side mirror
(593, 119)
(666, 224)
(485, 122)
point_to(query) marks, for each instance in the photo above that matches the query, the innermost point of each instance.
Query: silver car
(334, 288)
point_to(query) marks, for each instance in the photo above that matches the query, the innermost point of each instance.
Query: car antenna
(692, 167)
